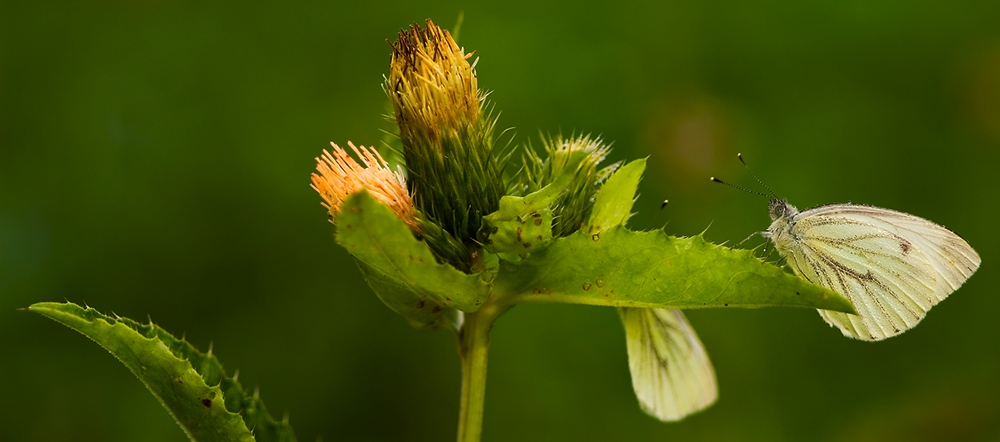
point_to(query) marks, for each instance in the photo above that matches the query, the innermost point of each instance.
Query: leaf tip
(42, 307)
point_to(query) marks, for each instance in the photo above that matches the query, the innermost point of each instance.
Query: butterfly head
(779, 209)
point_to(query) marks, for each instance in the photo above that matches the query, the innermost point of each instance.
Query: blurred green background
(155, 160)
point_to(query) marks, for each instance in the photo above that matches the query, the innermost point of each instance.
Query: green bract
(523, 224)
(401, 269)
(613, 204)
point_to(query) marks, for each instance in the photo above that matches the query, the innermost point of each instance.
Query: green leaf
(523, 224)
(208, 405)
(613, 204)
(650, 269)
(407, 277)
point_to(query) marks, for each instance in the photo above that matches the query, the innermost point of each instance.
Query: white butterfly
(893, 266)
(671, 373)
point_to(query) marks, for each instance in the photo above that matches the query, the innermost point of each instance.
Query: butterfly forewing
(893, 266)
(671, 373)
(953, 257)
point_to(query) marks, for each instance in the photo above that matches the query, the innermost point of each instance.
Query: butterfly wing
(671, 373)
(893, 266)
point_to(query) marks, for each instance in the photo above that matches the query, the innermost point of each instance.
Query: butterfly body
(893, 266)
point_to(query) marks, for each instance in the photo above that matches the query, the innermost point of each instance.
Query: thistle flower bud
(446, 136)
(432, 85)
(340, 176)
(579, 155)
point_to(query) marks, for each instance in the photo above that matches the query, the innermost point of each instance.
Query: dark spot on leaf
(596, 237)
(905, 246)
(586, 286)
(518, 234)
(207, 403)
(527, 244)
(797, 293)
(489, 241)
(496, 229)
(600, 282)
(436, 309)
(538, 221)
(540, 238)
(420, 304)
(447, 299)
(725, 305)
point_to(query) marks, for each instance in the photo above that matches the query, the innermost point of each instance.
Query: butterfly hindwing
(671, 373)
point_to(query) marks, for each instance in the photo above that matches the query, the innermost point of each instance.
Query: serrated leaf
(613, 204)
(651, 269)
(373, 234)
(192, 386)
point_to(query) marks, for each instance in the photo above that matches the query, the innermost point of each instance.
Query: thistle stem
(473, 349)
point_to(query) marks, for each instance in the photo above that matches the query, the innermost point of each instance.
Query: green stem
(473, 349)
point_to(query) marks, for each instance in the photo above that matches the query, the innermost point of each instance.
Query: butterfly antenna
(714, 179)
(740, 156)
(662, 206)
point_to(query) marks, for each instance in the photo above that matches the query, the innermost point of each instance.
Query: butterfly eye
(777, 209)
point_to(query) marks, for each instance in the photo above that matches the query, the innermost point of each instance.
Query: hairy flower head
(340, 175)
(446, 137)
(432, 84)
